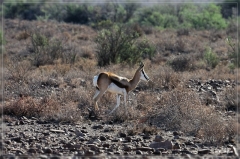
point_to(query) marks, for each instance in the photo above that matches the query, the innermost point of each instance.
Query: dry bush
(18, 70)
(182, 63)
(216, 130)
(48, 109)
(231, 101)
(165, 77)
(182, 32)
(182, 110)
(23, 35)
(87, 52)
(30, 107)
(136, 128)
(70, 113)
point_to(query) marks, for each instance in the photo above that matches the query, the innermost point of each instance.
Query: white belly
(113, 88)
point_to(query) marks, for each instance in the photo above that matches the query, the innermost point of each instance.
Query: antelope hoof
(92, 114)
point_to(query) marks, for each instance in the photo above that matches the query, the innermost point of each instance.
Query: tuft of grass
(211, 58)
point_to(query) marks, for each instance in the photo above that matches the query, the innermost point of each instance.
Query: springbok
(110, 82)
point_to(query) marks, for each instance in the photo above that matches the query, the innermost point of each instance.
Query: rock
(128, 139)
(127, 148)
(164, 144)
(47, 150)
(176, 137)
(139, 152)
(32, 150)
(89, 153)
(97, 127)
(156, 152)
(176, 151)
(175, 133)
(93, 147)
(185, 151)
(17, 139)
(57, 131)
(84, 131)
(176, 146)
(79, 133)
(102, 138)
(122, 134)
(204, 151)
(107, 145)
(144, 149)
(43, 156)
(158, 138)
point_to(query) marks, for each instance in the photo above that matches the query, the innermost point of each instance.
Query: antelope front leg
(125, 101)
(117, 105)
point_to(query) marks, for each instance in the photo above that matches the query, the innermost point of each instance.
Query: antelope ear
(141, 64)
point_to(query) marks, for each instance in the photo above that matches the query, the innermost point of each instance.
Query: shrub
(165, 77)
(161, 16)
(22, 10)
(2, 40)
(182, 63)
(45, 50)
(30, 107)
(182, 110)
(210, 58)
(18, 70)
(201, 17)
(119, 45)
(234, 52)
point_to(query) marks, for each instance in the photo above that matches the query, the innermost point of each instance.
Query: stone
(102, 138)
(122, 134)
(204, 151)
(32, 150)
(127, 148)
(164, 144)
(57, 131)
(158, 138)
(139, 152)
(144, 148)
(89, 153)
(176, 146)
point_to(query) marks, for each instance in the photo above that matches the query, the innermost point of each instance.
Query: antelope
(110, 82)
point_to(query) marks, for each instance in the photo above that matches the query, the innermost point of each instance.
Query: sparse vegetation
(50, 65)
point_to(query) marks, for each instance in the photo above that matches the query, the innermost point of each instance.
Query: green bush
(198, 16)
(161, 16)
(119, 44)
(2, 40)
(202, 17)
(45, 50)
(211, 58)
(234, 53)
(22, 9)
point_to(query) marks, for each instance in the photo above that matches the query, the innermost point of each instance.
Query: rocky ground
(95, 138)
(36, 138)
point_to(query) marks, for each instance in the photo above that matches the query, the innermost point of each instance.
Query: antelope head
(143, 76)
